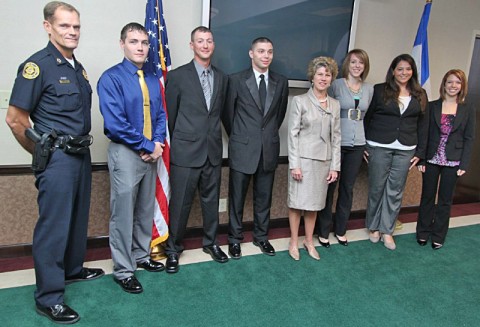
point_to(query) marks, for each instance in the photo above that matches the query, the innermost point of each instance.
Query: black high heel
(421, 242)
(324, 244)
(344, 243)
(436, 246)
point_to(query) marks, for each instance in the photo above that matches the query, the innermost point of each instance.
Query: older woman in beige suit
(313, 152)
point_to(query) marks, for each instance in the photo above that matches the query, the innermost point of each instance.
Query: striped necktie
(206, 87)
(147, 120)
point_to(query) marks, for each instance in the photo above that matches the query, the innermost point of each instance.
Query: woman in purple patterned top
(449, 147)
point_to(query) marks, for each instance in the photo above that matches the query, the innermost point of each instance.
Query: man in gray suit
(255, 108)
(195, 96)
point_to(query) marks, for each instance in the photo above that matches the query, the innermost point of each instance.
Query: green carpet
(361, 285)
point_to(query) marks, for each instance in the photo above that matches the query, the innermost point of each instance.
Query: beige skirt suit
(313, 146)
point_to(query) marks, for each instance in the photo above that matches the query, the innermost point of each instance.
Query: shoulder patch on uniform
(30, 70)
(85, 74)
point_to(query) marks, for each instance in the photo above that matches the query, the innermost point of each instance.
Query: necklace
(323, 100)
(355, 92)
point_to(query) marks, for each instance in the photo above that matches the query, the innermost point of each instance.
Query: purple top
(440, 158)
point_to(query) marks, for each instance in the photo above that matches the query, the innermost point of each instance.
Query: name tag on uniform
(64, 80)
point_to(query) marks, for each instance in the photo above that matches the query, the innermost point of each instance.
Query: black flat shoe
(265, 246)
(130, 284)
(85, 275)
(152, 266)
(216, 253)
(172, 263)
(344, 243)
(235, 250)
(436, 246)
(422, 242)
(324, 244)
(59, 313)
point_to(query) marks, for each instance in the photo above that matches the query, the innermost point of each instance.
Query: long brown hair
(392, 90)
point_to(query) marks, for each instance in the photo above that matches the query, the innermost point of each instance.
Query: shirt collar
(199, 68)
(257, 75)
(59, 58)
(131, 67)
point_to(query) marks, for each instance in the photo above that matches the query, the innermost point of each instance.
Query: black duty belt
(73, 144)
(352, 114)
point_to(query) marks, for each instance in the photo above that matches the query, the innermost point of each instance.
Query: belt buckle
(357, 116)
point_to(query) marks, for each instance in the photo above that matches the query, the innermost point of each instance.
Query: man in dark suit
(255, 108)
(195, 96)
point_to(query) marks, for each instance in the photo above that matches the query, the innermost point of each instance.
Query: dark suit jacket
(384, 124)
(250, 131)
(460, 141)
(195, 132)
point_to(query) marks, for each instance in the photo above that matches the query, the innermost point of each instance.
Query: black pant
(185, 181)
(60, 235)
(262, 202)
(351, 160)
(433, 220)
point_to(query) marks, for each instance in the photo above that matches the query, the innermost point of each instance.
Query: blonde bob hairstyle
(327, 62)
(463, 79)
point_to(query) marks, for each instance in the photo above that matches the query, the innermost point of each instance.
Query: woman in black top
(395, 128)
(450, 140)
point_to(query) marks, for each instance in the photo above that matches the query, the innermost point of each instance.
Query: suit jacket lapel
(437, 113)
(459, 117)
(197, 87)
(272, 87)
(216, 82)
(253, 89)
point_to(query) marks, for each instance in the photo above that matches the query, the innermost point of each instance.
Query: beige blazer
(314, 133)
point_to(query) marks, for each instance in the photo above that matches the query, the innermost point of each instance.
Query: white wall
(385, 29)
(23, 34)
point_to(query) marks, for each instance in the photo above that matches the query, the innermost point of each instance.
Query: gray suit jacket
(195, 132)
(252, 132)
(314, 133)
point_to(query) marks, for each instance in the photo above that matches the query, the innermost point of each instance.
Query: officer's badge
(30, 70)
(85, 74)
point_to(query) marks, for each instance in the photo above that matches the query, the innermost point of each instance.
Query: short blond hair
(316, 63)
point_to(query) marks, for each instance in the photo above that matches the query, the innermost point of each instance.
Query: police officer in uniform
(52, 89)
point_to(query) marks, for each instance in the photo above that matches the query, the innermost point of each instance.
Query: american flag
(158, 61)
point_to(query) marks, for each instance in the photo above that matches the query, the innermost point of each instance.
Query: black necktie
(262, 90)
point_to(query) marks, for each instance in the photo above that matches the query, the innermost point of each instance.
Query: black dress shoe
(172, 263)
(152, 266)
(130, 284)
(265, 246)
(344, 243)
(436, 245)
(85, 275)
(216, 253)
(324, 244)
(422, 242)
(59, 313)
(235, 250)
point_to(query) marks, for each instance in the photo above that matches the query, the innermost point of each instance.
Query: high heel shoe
(374, 236)
(436, 245)
(310, 248)
(344, 243)
(421, 242)
(324, 244)
(389, 244)
(293, 252)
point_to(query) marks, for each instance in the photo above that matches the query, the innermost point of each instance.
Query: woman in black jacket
(396, 130)
(450, 139)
